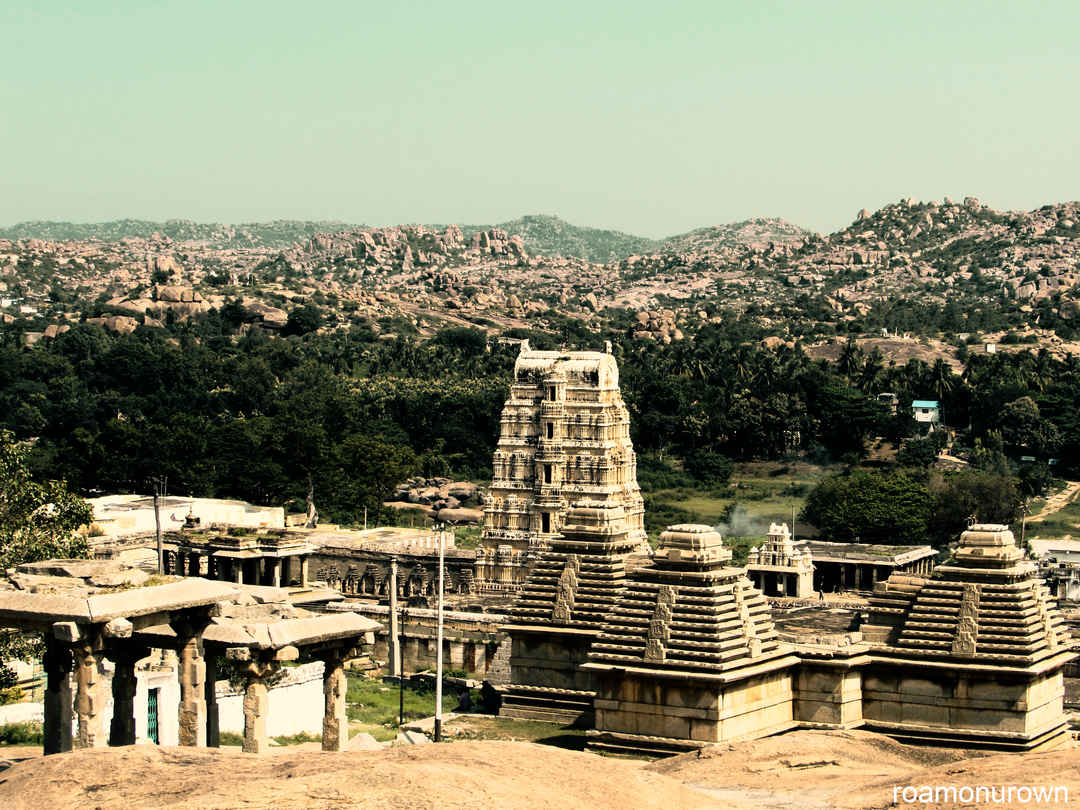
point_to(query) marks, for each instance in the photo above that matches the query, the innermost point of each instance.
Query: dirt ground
(803, 770)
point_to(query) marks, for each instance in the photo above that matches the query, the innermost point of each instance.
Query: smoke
(741, 523)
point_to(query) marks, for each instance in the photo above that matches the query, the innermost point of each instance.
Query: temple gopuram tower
(971, 655)
(560, 611)
(689, 656)
(564, 437)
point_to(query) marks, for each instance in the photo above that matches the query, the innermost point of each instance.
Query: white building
(927, 411)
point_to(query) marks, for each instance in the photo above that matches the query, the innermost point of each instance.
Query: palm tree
(871, 370)
(849, 360)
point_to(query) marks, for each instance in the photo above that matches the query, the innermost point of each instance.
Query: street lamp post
(439, 636)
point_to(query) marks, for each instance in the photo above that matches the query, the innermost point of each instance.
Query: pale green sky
(653, 118)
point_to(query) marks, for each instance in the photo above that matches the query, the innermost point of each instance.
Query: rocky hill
(751, 233)
(279, 233)
(926, 254)
(541, 234)
(550, 236)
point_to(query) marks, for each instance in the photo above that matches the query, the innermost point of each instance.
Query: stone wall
(949, 703)
(471, 641)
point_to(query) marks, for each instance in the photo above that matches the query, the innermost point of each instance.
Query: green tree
(958, 497)
(38, 520)
(870, 506)
(302, 320)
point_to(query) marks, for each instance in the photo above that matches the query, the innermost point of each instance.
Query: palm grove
(338, 419)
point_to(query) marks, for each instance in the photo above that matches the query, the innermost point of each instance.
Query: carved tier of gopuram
(972, 654)
(560, 611)
(689, 656)
(782, 566)
(564, 437)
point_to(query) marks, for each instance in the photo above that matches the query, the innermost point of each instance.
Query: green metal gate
(151, 715)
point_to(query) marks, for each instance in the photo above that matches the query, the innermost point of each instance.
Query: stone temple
(564, 437)
(683, 653)
(689, 653)
(972, 654)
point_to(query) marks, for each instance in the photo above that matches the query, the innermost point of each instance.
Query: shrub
(21, 734)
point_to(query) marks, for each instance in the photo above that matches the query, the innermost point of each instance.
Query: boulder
(462, 490)
(460, 515)
(121, 324)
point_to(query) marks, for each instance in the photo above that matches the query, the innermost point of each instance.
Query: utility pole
(401, 674)
(159, 493)
(439, 635)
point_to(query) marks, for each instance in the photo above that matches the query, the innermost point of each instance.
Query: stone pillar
(335, 729)
(89, 700)
(457, 655)
(122, 727)
(275, 566)
(213, 727)
(304, 570)
(256, 702)
(858, 577)
(873, 576)
(256, 706)
(237, 570)
(58, 705)
(395, 629)
(192, 669)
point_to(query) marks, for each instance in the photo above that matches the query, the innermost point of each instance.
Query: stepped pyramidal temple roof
(576, 582)
(986, 604)
(689, 611)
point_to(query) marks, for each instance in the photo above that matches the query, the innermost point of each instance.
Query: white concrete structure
(296, 703)
(1064, 551)
(119, 515)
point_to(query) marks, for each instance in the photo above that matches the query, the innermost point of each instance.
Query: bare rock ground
(803, 770)
(505, 775)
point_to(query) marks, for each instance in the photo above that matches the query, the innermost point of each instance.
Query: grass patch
(1065, 521)
(297, 739)
(467, 536)
(22, 734)
(230, 738)
(759, 493)
(372, 706)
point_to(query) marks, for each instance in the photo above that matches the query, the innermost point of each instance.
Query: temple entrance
(152, 716)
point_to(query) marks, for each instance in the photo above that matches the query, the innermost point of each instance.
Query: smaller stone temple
(689, 656)
(971, 655)
(273, 557)
(560, 612)
(781, 566)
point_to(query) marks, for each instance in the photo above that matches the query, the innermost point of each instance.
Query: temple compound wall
(358, 563)
(471, 641)
(564, 437)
